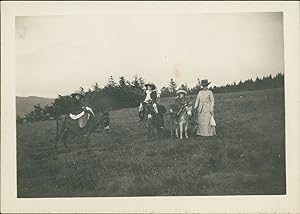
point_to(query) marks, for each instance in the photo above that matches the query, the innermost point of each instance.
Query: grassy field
(246, 157)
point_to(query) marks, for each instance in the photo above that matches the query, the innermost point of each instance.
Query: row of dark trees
(265, 82)
(124, 93)
(121, 94)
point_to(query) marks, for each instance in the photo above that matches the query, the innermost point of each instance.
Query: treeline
(116, 94)
(265, 82)
(123, 94)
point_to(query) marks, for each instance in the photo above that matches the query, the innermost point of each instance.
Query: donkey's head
(149, 111)
(104, 120)
(189, 108)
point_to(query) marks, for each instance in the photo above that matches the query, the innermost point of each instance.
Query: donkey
(71, 127)
(154, 121)
(181, 121)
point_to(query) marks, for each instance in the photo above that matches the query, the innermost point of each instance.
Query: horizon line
(159, 89)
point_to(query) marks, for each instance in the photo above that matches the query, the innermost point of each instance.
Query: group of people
(204, 105)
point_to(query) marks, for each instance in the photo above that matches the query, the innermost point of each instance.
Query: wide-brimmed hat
(77, 92)
(181, 91)
(150, 84)
(204, 82)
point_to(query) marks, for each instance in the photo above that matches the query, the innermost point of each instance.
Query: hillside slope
(246, 157)
(25, 105)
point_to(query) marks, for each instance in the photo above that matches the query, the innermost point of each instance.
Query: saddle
(177, 111)
(142, 114)
(145, 103)
(83, 117)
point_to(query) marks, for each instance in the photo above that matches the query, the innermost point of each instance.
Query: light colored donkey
(181, 121)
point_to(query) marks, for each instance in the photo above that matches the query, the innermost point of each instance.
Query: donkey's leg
(59, 137)
(158, 131)
(181, 129)
(64, 138)
(152, 130)
(172, 125)
(161, 132)
(186, 130)
(148, 129)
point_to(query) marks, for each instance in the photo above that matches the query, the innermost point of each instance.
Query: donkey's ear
(110, 108)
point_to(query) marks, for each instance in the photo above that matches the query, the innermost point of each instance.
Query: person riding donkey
(150, 98)
(79, 111)
(180, 102)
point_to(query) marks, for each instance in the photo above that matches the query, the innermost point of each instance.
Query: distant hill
(25, 105)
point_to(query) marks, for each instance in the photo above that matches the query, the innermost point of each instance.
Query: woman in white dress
(205, 105)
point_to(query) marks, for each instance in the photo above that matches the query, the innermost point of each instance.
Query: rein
(185, 112)
(88, 102)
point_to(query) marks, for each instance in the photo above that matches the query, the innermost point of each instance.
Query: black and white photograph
(143, 104)
(94, 120)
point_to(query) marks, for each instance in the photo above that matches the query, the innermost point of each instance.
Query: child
(150, 97)
(77, 102)
(78, 107)
(179, 102)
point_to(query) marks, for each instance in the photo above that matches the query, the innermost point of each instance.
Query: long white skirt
(204, 128)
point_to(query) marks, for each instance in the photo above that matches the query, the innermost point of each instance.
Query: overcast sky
(58, 54)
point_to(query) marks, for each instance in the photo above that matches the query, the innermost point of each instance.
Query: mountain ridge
(24, 105)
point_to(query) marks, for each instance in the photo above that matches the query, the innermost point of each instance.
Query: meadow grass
(246, 157)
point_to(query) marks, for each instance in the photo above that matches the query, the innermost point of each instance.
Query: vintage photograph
(112, 105)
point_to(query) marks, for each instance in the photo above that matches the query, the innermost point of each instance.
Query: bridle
(149, 109)
(186, 111)
(104, 117)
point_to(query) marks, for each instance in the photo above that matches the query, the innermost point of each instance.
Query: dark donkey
(154, 121)
(71, 127)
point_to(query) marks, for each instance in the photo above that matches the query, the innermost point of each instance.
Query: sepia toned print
(141, 105)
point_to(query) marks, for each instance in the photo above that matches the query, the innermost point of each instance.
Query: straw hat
(181, 91)
(77, 92)
(151, 84)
